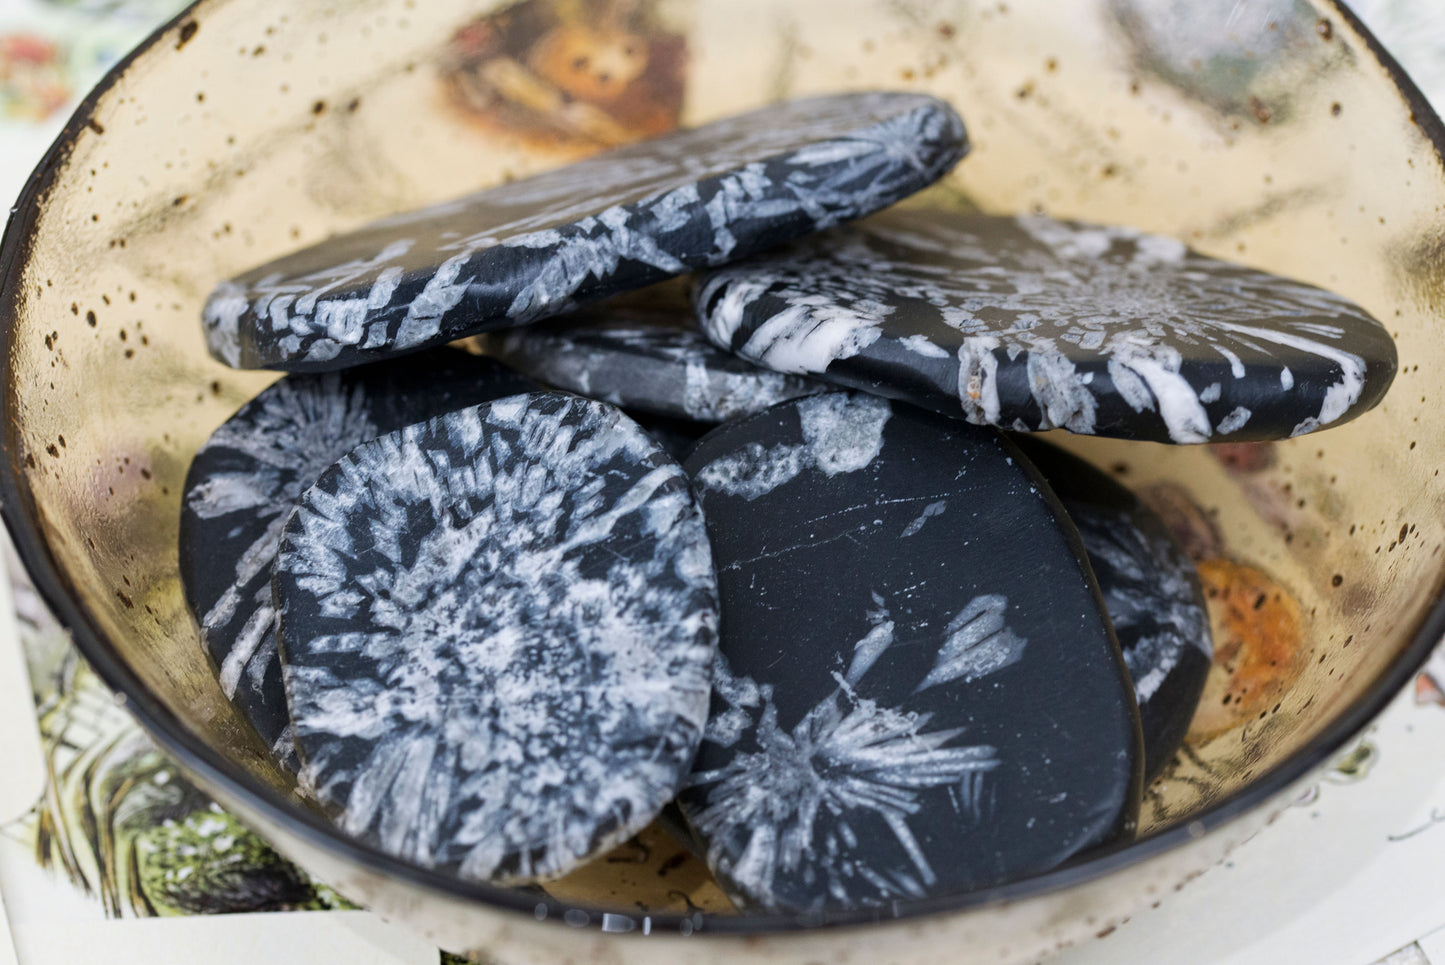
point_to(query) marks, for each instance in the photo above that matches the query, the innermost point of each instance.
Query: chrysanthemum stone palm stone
(1031, 323)
(1151, 592)
(246, 479)
(653, 362)
(515, 253)
(497, 628)
(917, 691)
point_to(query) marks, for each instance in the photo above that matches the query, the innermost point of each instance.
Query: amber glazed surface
(1278, 136)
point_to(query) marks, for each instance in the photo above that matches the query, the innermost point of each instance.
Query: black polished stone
(657, 363)
(496, 630)
(246, 479)
(618, 221)
(1151, 592)
(1031, 323)
(917, 691)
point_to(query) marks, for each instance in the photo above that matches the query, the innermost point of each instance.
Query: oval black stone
(497, 628)
(1030, 323)
(1151, 592)
(246, 479)
(917, 691)
(608, 224)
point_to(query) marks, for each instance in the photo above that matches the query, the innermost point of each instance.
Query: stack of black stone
(769, 556)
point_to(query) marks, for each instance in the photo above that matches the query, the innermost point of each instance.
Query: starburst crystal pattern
(247, 478)
(535, 247)
(498, 627)
(1031, 323)
(847, 755)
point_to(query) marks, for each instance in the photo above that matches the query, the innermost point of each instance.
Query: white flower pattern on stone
(536, 247)
(1109, 325)
(247, 477)
(498, 628)
(847, 755)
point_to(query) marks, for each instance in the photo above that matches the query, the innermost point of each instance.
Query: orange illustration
(1258, 645)
(570, 75)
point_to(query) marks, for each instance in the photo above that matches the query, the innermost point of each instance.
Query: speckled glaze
(496, 633)
(1032, 323)
(1306, 156)
(535, 247)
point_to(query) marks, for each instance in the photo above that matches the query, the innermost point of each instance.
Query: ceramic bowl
(1280, 135)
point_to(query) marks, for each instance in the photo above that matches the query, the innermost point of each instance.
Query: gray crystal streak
(535, 615)
(978, 643)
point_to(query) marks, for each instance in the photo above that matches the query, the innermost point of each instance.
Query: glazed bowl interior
(1277, 137)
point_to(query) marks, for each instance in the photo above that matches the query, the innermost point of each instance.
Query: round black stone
(657, 363)
(497, 628)
(247, 478)
(611, 223)
(1151, 592)
(917, 691)
(1030, 323)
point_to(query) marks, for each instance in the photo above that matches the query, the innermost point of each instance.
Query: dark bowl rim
(18, 510)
